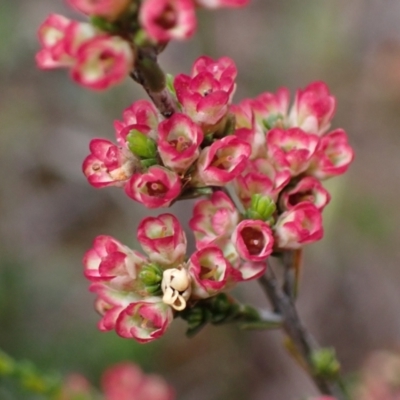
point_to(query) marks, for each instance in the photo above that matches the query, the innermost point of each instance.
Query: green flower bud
(151, 274)
(325, 363)
(262, 207)
(141, 145)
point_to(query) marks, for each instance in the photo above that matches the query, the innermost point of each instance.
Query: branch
(149, 74)
(304, 344)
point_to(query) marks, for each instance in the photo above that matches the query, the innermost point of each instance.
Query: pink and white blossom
(111, 262)
(291, 150)
(60, 38)
(113, 298)
(248, 270)
(145, 320)
(211, 272)
(260, 177)
(213, 218)
(248, 130)
(163, 239)
(179, 142)
(75, 386)
(271, 108)
(221, 162)
(108, 165)
(253, 240)
(102, 61)
(142, 113)
(308, 189)
(109, 9)
(157, 187)
(299, 226)
(126, 381)
(333, 156)
(164, 20)
(205, 96)
(313, 108)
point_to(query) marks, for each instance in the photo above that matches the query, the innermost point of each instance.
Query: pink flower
(141, 112)
(221, 162)
(291, 150)
(109, 310)
(109, 9)
(253, 240)
(211, 272)
(248, 270)
(163, 239)
(333, 156)
(223, 70)
(145, 320)
(299, 226)
(222, 3)
(213, 218)
(157, 187)
(60, 39)
(248, 130)
(313, 108)
(260, 177)
(308, 189)
(164, 20)
(179, 142)
(102, 61)
(125, 381)
(206, 95)
(75, 386)
(271, 107)
(107, 165)
(111, 262)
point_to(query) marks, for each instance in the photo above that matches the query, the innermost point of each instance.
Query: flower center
(167, 19)
(297, 198)
(254, 240)
(156, 189)
(180, 144)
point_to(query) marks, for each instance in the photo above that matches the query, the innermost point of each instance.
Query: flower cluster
(96, 59)
(271, 155)
(138, 295)
(124, 381)
(102, 52)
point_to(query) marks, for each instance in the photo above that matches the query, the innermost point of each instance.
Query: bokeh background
(350, 296)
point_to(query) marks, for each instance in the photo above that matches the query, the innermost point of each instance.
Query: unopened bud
(141, 145)
(262, 207)
(325, 363)
(151, 276)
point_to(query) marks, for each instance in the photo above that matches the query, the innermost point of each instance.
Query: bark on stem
(302, 340)
(149, 74)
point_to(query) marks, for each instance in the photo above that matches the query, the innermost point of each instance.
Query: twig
(302, 340)
(149, 74)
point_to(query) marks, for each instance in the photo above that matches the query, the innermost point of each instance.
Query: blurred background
(350, 293)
